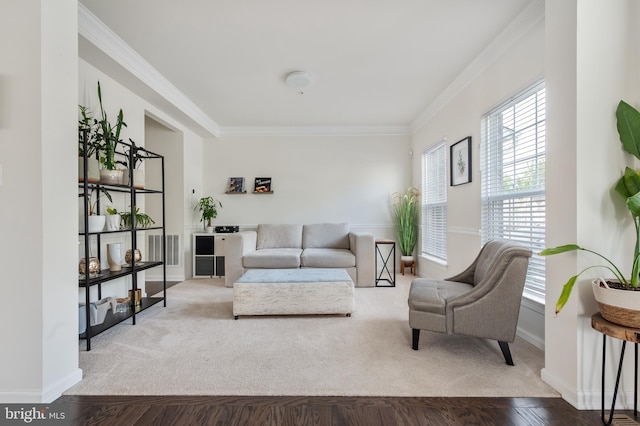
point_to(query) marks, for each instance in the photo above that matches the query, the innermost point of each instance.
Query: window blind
(513, 179)
(434, 201)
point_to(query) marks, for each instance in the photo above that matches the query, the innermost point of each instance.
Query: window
(513, 168)
(434, 202)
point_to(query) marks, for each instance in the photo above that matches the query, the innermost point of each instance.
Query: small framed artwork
(262, 185)
(460, 162)
(236, 186)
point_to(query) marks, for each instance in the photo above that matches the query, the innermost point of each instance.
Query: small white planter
(617, 306)
(112, 222)
(96, 223)
(93, 170)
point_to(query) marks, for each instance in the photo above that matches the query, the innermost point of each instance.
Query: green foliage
(142, 220)
(628, 186)
(405, 209)
(108, 135)
(94, 204)
(87, 125)
(208, 209)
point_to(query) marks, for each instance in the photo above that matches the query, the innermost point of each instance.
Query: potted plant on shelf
(405, 211)
(133, 174)
(87, 129)
(208, 211)
(142, 220)
(618, 299)
(109, 137)
(96, 220)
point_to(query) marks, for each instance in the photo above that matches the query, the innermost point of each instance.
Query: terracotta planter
(617, 306)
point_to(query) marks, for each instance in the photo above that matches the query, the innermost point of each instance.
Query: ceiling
(375, 63)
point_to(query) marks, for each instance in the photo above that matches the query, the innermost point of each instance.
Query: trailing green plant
(208, 209)
(142, 220)
(132, 155)
(628, 186)
(108, 135)
(405, 211)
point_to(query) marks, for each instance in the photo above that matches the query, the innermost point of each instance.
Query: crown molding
(522, 24)
(101, 36)
(315, 131)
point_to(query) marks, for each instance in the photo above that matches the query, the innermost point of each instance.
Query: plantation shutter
(513, 179)
(434, 207)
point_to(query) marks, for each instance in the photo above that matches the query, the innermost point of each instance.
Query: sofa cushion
(272, 258)
(327, 258)
(326, 235)
(279, 236)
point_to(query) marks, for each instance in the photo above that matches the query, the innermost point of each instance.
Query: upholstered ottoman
(293, 292)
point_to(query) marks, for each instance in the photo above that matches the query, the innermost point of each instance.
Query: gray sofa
(286, 246)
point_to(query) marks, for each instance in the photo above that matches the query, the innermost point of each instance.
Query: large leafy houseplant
(405, 211)
(108, 135)
(628, 186)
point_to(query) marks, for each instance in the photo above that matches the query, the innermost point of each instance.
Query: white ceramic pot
(111, 177)
(616, 305)
(114, 256)
(112, 222)
(96, 223)
(209, 229)
(138, 178)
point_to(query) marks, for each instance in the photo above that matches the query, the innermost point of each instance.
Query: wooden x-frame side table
(626, 334)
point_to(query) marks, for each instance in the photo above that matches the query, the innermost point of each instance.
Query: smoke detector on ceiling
(299, 80)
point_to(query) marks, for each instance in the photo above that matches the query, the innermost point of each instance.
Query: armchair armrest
(237, 244)
(362, 245)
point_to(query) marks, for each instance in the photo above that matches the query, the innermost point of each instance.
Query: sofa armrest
(237, 244)
(362, 245)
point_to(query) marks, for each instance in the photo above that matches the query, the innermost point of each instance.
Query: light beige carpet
(195, 347)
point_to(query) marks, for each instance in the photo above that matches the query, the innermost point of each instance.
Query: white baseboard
(567, 392)
(45, 396)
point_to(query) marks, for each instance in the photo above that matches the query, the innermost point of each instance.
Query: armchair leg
(415, 334)
(504, 346)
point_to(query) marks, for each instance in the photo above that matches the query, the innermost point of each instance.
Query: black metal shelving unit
(106, 275)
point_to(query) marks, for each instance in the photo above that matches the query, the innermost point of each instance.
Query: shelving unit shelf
(87, 282)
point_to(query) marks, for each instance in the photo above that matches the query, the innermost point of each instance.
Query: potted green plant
(142, 220)
(616, 302)
(208, 211)
(95, 219)
(109, 136)
(88, 146)
(405, 212)
(133, 158)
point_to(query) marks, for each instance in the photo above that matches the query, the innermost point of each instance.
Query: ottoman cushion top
(295, 275)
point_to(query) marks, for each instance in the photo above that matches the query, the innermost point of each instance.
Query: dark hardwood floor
(338, 411)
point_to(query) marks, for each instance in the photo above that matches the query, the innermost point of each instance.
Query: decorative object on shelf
(94, 266)
(123, 305)
(460, 162)
(114, 256)
(236, 186)
(135, 301)
(113, 218)
(626, 289)
(129, 256)
(143, 220)
(207, 206)
(405, 213)
(262, 185)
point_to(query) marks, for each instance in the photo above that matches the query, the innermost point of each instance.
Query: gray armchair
(483, 301)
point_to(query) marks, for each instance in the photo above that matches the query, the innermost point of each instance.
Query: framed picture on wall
(262, 185)
(236, 186)
(460, 162)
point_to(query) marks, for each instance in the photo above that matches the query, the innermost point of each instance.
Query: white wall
(314, 179)
(592, 58)
(38, 91)
(519, 66)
